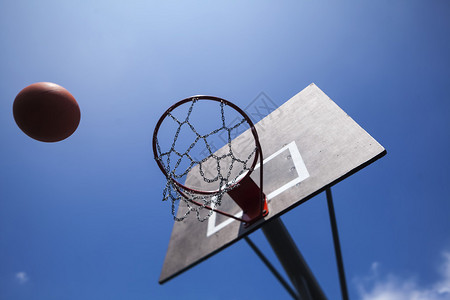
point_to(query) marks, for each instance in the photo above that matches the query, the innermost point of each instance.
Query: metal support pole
(292, 261)
(337, 245)
(271, 268)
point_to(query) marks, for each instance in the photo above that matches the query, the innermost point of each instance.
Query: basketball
(46, 112)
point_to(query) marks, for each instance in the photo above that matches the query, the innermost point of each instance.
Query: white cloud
(391, 287)
(21, 277)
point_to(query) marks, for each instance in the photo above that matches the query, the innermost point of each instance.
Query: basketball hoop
(234, 181)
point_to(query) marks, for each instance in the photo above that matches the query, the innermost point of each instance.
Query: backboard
(308, 144)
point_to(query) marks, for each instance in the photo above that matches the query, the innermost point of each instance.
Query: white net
(216, 170)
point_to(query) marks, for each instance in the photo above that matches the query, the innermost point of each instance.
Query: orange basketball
(46, 112)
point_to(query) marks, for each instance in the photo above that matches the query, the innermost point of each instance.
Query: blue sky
(82, 219)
